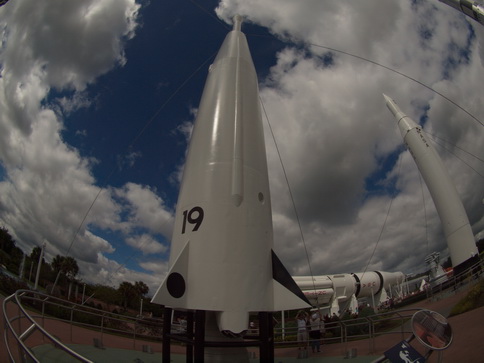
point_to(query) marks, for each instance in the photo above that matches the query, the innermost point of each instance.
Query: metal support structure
(39, 266)
(266, 330)
(199, 351)
(196, 342)
(166, 334)
(190, 327)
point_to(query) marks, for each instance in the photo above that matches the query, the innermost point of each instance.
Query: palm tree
(34, 260)
(141, 288)
(35, 254)
(66, 265)
(128, 293)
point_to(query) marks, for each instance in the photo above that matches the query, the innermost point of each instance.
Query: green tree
(128, 294)
(7, 243)
(35, 254)
(141, 288)
(10, 255)
(107, 294)
(131, 294)
(33, 261)
(66, 265)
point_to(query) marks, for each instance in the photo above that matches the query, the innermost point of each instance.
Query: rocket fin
(172, 292)
(287, 294)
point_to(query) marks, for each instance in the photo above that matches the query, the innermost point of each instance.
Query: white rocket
(470, 8)
(221, 257)
(337, 293)
(456, 226)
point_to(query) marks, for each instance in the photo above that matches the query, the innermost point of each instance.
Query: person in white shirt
(315, 322)
(302, 335)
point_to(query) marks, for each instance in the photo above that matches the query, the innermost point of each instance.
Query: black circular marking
(176, 285)
(357, 283)
(381, 281)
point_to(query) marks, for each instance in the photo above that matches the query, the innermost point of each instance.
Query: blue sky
(90, 76)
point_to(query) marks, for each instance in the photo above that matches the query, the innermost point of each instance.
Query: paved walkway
(467, 345)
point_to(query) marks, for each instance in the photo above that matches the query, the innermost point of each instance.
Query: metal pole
(55, 282)
(166, 335)
(69, 291)
(39, 265)
(72, 318)
(190, 326)
(28, 332)
(283, 321)
(31, 268)
(20, 352)
(369, 335)
(134, 335)
(102, 330)
(373, 301)
(43, 319)
(266, 337)
(199, 336)
(440, 356)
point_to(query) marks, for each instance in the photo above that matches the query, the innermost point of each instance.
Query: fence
(29, 314)
(35, 311)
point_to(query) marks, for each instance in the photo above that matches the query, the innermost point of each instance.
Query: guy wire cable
(387, 68)
(455, 155)
(292, 200)
(384, 222)
(131, 144)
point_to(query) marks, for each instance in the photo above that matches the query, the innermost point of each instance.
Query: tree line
(65, 270)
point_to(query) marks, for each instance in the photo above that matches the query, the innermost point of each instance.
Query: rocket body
(456, 226)
(221, 255)
(334, 291)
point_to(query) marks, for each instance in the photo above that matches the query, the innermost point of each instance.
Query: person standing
(302, 336)
(315, 331)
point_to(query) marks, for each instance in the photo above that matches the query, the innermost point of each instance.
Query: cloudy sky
(97, 100)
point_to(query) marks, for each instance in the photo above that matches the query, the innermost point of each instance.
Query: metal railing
(351, 329)
(456, 282)
(27, 312)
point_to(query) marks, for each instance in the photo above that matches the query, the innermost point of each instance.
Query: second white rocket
(456, 226)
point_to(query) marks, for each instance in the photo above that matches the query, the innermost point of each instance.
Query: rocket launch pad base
(196, 342)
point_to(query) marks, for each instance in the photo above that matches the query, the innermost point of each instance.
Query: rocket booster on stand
(456, 226)
(221, 257)
(470, 8)
(336, 293)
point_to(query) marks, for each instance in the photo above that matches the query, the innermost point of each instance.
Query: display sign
(405, 353)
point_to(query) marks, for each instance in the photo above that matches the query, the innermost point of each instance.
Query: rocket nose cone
(389, 102)
(237, 20)
(392, 106)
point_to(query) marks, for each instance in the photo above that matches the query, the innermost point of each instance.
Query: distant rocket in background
(221, 256)
(455, 223)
